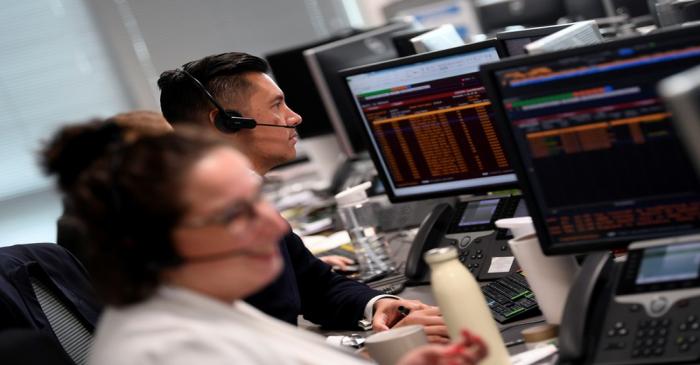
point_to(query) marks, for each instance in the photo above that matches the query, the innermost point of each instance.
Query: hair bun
(74, 148)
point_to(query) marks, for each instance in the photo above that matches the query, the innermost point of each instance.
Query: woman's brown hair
(128, 197)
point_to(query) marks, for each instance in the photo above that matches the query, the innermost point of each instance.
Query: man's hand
(387, 315)
(469, 351)
(339, 263)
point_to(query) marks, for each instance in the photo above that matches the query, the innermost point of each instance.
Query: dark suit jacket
(57, 269)
(309, 287)
(30, 347)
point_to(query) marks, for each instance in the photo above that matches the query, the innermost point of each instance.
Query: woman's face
(229, 236)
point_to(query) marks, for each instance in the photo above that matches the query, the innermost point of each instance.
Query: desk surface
(400, 245)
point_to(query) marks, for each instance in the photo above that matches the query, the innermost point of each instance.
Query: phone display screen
(665, 267)
(669, 263)
(478, 213)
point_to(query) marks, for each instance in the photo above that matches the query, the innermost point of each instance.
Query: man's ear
(212, 117)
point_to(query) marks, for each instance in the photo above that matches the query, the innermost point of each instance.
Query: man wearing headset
(233, 93)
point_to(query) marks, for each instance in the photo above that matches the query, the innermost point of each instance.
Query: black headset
(228, 121)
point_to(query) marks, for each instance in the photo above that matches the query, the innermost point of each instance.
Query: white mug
(387, 347)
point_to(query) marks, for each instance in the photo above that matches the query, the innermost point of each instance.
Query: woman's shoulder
(150, 335)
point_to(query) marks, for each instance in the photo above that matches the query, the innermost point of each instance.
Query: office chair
(71, 233)
(30, 347)
(43, 287)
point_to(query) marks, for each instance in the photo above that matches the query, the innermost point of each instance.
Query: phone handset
(431, 234)
(585, 294)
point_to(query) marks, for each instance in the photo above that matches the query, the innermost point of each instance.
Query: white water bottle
(462, 304)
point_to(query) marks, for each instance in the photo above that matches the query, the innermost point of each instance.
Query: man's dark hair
(128, 197)
(181, 101)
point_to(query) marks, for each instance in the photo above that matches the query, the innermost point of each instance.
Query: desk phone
(645, 311)
(469, 226)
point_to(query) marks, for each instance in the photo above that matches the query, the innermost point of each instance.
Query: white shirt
(178, 326)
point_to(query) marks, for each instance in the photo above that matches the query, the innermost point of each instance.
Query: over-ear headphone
(228, 121)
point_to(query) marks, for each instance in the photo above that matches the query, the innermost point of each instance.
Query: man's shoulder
(293, 244)
(292, 237)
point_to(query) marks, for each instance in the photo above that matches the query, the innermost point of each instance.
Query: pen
(403, 311)
(515, 342)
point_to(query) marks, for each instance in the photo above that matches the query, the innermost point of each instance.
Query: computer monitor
(593, 146)
(496, 15)
(430, 123)
(326, 60)
(294, 78)
(514, 42)
(592, 9)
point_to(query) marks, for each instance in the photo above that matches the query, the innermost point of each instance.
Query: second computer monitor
(596, 153)
(294, 78)
(430, 123)
(326, 60)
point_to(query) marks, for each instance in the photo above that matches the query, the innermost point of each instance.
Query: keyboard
(393, 283)
(510, 298)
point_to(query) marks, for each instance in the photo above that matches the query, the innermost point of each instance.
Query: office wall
(177, 31)
(56, 69)
(372, 11)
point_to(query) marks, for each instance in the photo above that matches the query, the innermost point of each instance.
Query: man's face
(266, 147)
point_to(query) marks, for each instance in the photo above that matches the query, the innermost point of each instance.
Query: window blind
(55, 70)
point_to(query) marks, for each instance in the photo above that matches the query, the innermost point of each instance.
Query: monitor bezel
(384, 175)
(488, 75)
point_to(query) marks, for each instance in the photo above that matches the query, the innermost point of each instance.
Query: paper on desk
(320, 225)
(501, 264)
(533, 356)
(317, 244)
(295, 199)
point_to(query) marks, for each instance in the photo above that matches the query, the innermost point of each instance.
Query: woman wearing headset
(179, 234)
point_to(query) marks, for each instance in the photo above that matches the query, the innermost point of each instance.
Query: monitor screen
(430, 125)
(294, 78)
(515, 41)
(324, 63)
(593, 145)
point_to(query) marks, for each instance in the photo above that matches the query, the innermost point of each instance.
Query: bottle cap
(354, 195)
(540, 333)
(440, 254)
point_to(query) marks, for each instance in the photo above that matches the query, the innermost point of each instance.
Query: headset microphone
(228, 121)
(220, 256)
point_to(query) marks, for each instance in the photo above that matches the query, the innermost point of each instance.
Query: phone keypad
(651, 337)
(476, 256)
(630, 336)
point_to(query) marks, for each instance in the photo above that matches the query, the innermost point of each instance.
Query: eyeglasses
(236, 219)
